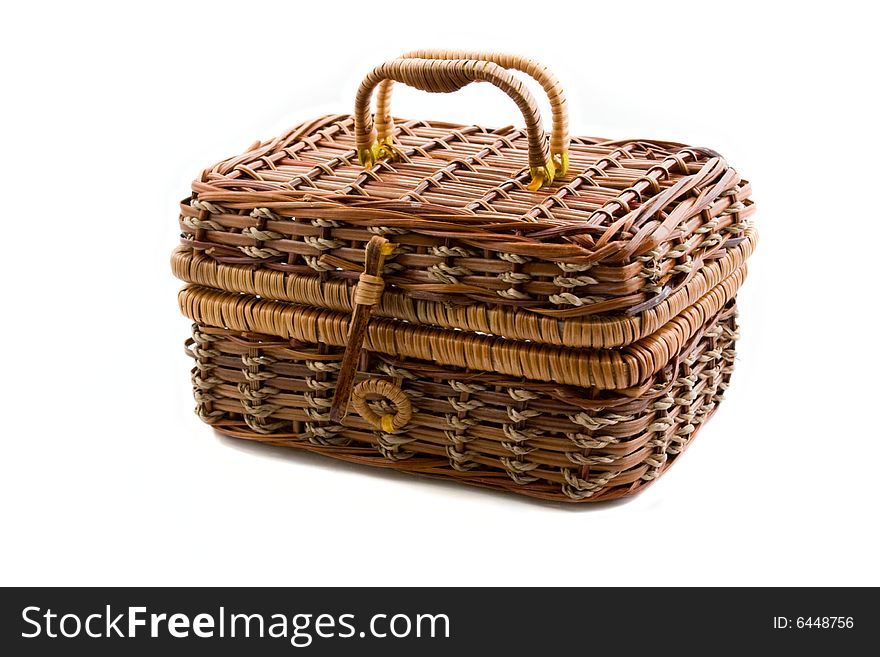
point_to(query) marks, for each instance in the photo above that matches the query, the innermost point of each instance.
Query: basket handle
(444, 76)
(559, 140)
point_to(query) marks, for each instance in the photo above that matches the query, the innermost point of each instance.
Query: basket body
(537, 439)
(566, 343)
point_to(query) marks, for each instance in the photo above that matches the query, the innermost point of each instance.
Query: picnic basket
(550, 316)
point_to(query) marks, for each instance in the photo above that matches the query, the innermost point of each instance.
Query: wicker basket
(553, 317)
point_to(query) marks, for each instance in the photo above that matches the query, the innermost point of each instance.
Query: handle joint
(383, 148)
(541, 176)
(561, 162)
(369, 156)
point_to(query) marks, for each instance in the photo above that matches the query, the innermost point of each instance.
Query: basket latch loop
(367, 294)
(386, 423)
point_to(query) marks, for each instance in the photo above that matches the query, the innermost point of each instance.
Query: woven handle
(444, 76)
(559, 140)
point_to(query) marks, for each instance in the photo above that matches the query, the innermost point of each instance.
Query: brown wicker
(553, 317)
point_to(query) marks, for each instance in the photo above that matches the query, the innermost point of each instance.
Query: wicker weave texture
(338, 294)
(598, 368)
(549, 316)
(629, 223)
(544, 440)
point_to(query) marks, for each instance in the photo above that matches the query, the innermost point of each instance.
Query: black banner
(513, 621)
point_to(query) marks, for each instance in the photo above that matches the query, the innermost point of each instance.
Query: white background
(110, 110)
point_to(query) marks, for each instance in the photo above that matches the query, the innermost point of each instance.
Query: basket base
(537, 439)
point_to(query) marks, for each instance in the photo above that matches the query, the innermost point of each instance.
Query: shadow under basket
(550, 315)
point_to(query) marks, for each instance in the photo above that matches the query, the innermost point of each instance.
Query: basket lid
(629, 224)
(505, 219)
